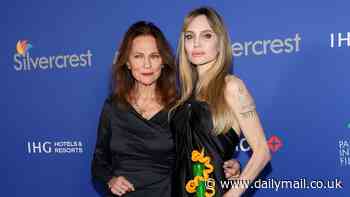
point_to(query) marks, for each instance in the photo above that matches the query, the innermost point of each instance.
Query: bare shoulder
(237, 95)
(233, 84)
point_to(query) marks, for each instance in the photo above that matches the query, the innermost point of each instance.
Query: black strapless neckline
(192, 127)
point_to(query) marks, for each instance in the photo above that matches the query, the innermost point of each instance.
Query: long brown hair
(122, 79)
(212, 88)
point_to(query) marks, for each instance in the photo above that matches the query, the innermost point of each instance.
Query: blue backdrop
(293, 56)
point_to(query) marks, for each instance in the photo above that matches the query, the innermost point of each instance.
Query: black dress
(141, 150)
(192, 126)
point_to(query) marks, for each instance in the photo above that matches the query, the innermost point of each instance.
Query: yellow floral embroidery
(191, 185)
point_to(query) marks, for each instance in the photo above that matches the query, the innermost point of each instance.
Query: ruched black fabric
(191, 124)
(141, 150)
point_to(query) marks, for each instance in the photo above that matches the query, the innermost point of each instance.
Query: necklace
(139, 109)
(148, 111)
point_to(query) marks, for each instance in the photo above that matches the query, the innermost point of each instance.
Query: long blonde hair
(212, 90)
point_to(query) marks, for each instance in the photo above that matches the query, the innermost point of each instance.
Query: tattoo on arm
(249, 114)
(246, 102)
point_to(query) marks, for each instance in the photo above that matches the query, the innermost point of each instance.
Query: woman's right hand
(232, 169)
(120, 185)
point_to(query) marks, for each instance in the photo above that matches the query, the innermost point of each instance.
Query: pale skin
(145, 64)
(201, 45)
(242, 103)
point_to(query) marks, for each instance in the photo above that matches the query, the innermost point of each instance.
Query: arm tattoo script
(246, 102)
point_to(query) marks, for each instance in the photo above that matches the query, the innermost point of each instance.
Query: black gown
(141, 150)
(191, 124)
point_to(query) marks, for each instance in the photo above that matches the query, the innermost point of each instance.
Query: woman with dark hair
(134, 154)
(134, 149)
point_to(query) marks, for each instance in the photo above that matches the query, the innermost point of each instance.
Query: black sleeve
(101, 166)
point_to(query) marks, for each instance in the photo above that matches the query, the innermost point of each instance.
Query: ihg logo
(39, 147)
(340, 40)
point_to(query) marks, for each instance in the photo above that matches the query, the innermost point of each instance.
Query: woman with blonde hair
(215, 108)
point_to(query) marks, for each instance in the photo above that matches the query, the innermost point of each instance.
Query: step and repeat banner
(55, 70)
